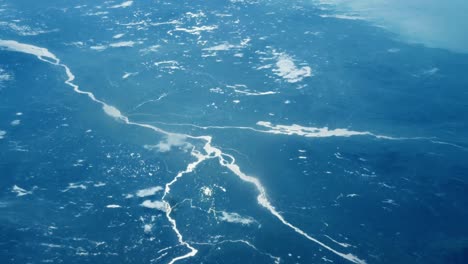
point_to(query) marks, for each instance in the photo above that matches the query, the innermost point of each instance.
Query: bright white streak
(123, 5)
(339, 243)
(167, 190)
(152, 100)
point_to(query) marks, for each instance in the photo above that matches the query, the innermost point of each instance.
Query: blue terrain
(241, 131)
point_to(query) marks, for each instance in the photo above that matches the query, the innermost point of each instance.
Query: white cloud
(196, 30)
(286, 69)
(15, 122)
(123, 5)
(207, 191)
(172, 140)
(20, 191)
(221, 47)
(122, 44)
(4, 76)
(434, 23)
(149, 191)
(147, 228)
(236, 218)
(158, 205)
(117, 36)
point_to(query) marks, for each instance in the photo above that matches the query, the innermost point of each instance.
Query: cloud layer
(434, 23)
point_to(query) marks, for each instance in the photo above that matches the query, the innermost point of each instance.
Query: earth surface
(241, 131)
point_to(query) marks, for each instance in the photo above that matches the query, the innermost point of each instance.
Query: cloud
(433, 23)
(149, 191)
(113, 206)
(123, 5)
(236, 218)
(158, 205)
(20, 191)
(172, 140)
(286, 69)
